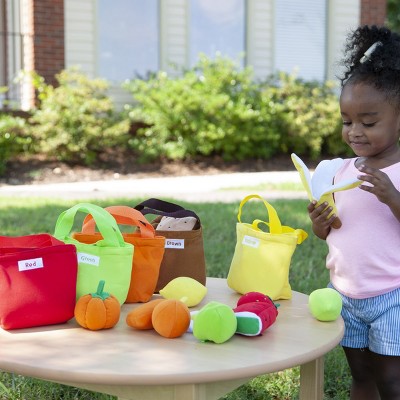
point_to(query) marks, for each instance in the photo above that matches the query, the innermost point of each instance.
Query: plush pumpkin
(141, 317)
(171, 318)
(100, 310)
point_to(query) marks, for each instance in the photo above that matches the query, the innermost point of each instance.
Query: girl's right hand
(321, 224)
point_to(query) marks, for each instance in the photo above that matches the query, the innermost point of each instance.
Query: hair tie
(368, 53)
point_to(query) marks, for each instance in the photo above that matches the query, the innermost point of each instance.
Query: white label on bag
(250, 241)
(178, 244)
(88, 259)
(27, 265)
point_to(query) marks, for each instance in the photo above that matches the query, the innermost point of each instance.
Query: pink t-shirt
(364, 254)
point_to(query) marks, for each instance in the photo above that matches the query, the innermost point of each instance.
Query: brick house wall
(373, 12)
(48, 39)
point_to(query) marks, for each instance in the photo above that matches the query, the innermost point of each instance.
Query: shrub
(307, 113)
(13, 138)
(215, 108)
(76, 121)
(335, 145)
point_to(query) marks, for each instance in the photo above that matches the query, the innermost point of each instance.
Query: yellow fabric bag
(261, 260)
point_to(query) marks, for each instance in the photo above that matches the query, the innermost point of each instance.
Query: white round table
(133, 364)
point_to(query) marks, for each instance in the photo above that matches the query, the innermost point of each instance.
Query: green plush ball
(215, 322)
(325, 304)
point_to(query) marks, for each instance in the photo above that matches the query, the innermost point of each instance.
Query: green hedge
(215, 108)
(76, 120)
(307, 114)
(13, 138)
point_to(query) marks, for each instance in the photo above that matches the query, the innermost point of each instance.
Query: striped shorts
(373, 323)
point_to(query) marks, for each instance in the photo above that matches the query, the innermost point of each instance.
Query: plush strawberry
(255, 312)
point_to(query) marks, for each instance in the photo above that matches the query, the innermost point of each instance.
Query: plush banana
(320, 186)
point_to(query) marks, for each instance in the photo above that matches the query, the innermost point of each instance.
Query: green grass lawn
(20, 216)
(280, 186)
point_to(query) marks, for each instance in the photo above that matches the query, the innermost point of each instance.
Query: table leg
(312, 380)
(200, 391)
(178, 392)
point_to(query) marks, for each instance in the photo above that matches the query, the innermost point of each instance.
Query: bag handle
(124, 215)
(301, 235)
(112, 236)
(275, 225)
(164, 208)
(158, 204)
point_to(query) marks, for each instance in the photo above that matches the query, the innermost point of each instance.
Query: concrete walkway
(221, 187)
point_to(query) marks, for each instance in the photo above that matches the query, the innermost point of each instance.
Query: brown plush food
(98, 310)
(171, 318)
(140, 317)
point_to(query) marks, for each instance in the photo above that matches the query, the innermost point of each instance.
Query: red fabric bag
(37, 281)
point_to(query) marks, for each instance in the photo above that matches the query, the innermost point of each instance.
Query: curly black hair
(382, 68)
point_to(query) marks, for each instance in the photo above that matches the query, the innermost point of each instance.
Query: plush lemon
(185, 289)
(325, 304)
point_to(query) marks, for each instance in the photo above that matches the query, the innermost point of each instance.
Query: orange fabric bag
(148, 254)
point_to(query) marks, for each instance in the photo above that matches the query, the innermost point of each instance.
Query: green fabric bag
(109, 259)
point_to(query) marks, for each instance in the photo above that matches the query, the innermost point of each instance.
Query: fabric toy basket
(108, 259)
(37, 281)
(261, 260)
(148, 254)
(184, 248)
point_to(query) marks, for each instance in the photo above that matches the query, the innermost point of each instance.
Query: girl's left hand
(379, 184)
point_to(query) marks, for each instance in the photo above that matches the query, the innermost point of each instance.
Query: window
(13, 43)
(300, 38)
(128, 38)
(217, 26)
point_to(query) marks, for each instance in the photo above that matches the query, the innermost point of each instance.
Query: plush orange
(171, 318)
(95, 311)
(140, 317)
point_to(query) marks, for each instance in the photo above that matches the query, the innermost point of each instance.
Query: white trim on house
(80, 17)
(260, 37)
(174, 34)
(343, 16)
(174, 17)
(81, 35)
